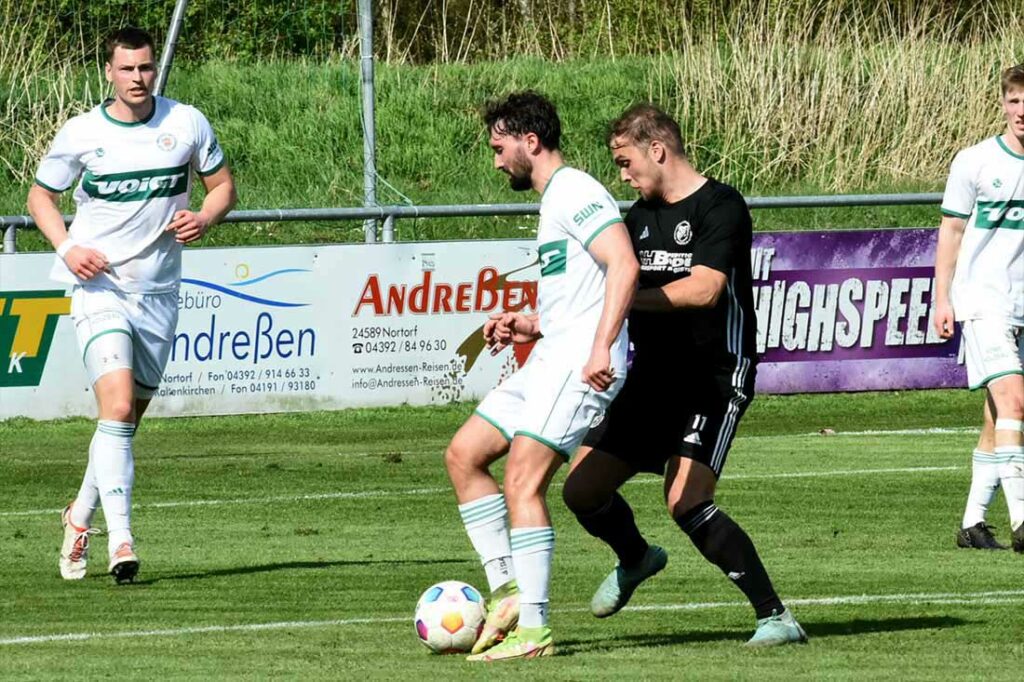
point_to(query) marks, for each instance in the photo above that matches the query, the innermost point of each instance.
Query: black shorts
(660, 414)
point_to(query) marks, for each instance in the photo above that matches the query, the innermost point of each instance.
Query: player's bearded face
(519, 171)
(510, 157)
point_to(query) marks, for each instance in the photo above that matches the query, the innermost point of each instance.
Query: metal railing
(389, 214)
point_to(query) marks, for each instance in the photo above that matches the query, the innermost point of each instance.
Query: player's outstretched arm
(84, 262)
(613, 250)
(701, 289)
(951, 232)
(221, 197)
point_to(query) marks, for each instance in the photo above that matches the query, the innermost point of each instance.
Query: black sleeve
(725, 232)
(631, 219)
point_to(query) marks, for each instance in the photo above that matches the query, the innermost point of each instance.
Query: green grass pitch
(295, 546)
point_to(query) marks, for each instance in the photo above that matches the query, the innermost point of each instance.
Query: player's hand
(598, 371)
(188, 226)
(504, 329)
(943, 320)
(496, 334)
(86, 263)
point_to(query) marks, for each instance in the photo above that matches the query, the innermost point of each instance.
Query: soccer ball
(449, 617)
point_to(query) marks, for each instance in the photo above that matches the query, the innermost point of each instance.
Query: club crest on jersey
(997, 183)
(683, 233)
(166, 142)
(100, 151)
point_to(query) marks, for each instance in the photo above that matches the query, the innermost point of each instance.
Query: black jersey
(711, 227)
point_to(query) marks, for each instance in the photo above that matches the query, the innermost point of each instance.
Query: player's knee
(1015, 407)
(678, 508)
(578, 496)
(1008, 397)
(119, 411)
(454, 459)
(521, 489)
(460, 457)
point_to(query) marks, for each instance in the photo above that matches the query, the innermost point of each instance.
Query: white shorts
(993, 349)
(548, 402)
(118, 330)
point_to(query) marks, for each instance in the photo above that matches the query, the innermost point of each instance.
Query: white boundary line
(355, 495)
(930, 431)
(972, 598)
(775, 436)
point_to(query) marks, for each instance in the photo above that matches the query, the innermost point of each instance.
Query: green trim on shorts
(51, 189)
(494, 424)
(109, 331)
(985, 382)
(544, 441)
(591, 238)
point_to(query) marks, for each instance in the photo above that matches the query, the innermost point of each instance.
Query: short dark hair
(642, 124)
(525, 112)
(129, 37)
(1012, 77)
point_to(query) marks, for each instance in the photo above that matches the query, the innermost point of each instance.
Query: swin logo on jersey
(137, 185)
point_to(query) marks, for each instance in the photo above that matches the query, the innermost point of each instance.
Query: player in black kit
(692, 326)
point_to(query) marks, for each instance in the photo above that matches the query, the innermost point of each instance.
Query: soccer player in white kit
(540, 414)
(979, 282)
(135, 154)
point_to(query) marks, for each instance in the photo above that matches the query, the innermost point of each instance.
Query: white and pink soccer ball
(449, 617)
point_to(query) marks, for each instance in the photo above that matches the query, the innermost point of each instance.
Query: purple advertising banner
(849, 311)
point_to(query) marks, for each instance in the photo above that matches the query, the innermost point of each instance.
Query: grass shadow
(297, 565)
(860, 626)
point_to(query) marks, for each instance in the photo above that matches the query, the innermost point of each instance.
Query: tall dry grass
(41, 86)
(835, 95)
(834, 99)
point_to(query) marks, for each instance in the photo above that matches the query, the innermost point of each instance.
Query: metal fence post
(369, 130)
(177, 19)
(11, 239)
(389, 229)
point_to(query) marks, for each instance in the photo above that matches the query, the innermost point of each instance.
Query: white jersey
(134, 177)
(986, 188)
(574, 209)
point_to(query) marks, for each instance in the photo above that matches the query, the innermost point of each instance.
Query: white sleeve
(961, 189)
(207, 157)
(62, 164)
(591, 210)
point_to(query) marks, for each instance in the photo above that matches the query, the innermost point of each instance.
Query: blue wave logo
(229, 291)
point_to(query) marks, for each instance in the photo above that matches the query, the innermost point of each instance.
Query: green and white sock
(984, 484)
(486, 522)
(114, 468)
(1011, 475)
(532, 550)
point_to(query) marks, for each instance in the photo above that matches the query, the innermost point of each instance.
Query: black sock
(614, 524)
(726, 545)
